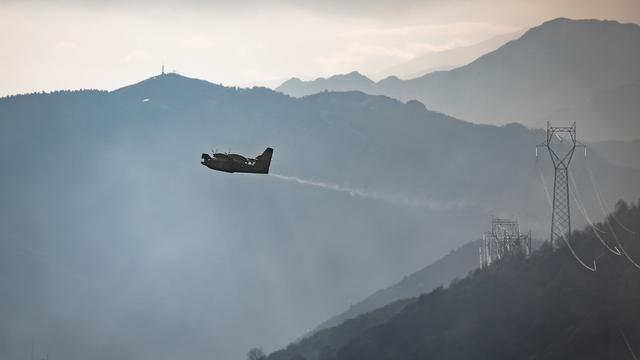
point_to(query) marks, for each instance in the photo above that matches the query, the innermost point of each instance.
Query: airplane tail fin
(264, 161)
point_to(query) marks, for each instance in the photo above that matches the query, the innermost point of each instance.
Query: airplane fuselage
(234, 163)
(231, 166)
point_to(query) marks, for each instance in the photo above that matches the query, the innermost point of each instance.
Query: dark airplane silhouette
(237, 163)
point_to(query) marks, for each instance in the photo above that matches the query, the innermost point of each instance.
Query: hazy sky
(47, 45)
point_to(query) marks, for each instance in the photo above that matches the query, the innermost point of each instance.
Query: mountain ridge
(164, 225)
(456, 264)
(558, 64)
(445, 60)
(549, 306)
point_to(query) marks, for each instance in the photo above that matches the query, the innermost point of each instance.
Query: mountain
(621, 153)
(547, 306)
(321, 342)
(613, 112)
(113, 231)
(561, 64)
(351, 81)
(446, 59)
(454, 265)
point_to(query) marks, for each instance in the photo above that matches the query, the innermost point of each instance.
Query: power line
(626, 341)
(607, 220)
(573, 252)
(603, 204)
(583, 210)
(580, 203)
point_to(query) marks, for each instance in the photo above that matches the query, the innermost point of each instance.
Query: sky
(66, 44)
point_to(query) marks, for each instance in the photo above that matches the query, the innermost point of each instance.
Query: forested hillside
(548, 306)
(455, 264)
(106, 208)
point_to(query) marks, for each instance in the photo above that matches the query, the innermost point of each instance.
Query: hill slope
(560, 64)
(545, 307)
(112, 230)
(611, 114)
(457, 264)
(621, 153)
(454, 265)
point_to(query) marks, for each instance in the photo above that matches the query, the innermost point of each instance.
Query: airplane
(237, 163)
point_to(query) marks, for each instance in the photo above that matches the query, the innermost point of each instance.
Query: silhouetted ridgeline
(457, 264)
(545, 307)
(453, 265)
(55, 92)
(445, 59)
(113, 230)
(560, 70)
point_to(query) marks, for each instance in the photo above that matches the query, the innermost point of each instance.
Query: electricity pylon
(504, 239)
(561, 143)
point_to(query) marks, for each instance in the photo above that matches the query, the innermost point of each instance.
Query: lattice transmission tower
(504, 239)
(561, 143)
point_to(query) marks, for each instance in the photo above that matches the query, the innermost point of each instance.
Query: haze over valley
(413, 126)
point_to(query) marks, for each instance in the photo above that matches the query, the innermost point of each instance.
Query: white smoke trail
(394, 199)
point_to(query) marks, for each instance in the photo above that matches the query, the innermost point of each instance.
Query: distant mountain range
(586, 66)
(614, 112)
(621, 153)
(446, 59)
(547, 306)
(112, 230)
